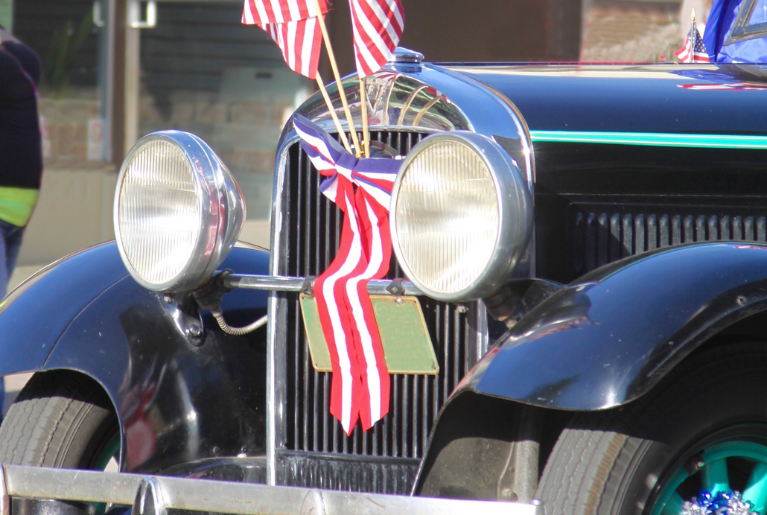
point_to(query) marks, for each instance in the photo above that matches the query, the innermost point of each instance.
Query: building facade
(115, 70)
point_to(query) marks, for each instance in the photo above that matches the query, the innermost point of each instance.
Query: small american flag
(263, 12)
(300, 42)
(377, 26)
(693, 52)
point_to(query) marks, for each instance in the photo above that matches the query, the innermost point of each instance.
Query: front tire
(60, 419)
(704, 427)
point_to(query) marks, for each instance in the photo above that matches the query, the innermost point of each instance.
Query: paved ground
(13, 385)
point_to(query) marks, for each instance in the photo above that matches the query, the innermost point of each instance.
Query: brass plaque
(405, 338)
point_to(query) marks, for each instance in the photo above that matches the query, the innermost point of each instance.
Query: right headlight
(461, 216)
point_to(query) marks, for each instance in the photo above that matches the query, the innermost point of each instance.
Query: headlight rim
(212, 182)
(511, 190)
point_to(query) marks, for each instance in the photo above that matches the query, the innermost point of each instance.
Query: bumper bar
(157, 494)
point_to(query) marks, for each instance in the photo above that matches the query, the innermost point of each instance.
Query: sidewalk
(21, 274)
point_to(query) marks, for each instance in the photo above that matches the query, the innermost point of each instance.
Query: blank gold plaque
(405, 338)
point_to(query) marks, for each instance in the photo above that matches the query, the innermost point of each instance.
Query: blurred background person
(21, 162)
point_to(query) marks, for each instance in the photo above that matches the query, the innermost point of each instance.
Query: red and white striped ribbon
(362, 190)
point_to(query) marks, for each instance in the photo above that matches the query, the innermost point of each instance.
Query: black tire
(61, 420)
(618, 462)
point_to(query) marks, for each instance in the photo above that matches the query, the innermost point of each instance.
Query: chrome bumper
(156, 494)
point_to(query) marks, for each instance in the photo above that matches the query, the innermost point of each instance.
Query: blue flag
(736, 31)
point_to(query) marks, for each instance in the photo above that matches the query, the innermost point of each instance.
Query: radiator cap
(405, 55)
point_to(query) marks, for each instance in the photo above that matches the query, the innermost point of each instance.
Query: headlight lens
(177, 211)
(460, 216)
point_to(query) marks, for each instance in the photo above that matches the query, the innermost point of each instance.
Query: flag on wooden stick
(300, 42)
(298, 28)
(693, 50)
(377, 26)
(263, 12)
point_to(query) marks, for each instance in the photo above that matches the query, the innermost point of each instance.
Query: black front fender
(178, 398)
(611, 336)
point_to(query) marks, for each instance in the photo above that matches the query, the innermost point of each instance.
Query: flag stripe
(377, 27)
(365, 61)
(265, 12)
(688, 54)
(300, 43)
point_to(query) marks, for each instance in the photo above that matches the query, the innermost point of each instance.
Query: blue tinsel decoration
(723, 503)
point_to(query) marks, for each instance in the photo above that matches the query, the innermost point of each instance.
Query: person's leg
(12, 247)
(10, 243)
(5, 229)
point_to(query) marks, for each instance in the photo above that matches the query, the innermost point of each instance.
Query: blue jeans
(10, 244)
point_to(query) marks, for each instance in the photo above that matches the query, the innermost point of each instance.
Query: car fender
(178, 398)
(612, 335)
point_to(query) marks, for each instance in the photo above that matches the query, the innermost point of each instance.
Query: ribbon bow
(362, 190)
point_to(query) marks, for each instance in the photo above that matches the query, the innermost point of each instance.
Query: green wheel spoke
(715, 477)
(668, 496)
(673, 505)
(756, 491)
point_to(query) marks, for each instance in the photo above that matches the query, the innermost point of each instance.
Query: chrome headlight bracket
(470, 183)
(177, 211)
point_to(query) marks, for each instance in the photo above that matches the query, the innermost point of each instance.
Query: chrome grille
(311, 229)
(601, 237)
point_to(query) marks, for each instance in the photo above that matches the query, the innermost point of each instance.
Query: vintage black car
(601, 339)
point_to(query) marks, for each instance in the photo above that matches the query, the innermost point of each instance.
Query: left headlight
(461, 216)
(177, 211)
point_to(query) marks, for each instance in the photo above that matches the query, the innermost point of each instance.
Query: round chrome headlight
(461, 216)
(177, 211)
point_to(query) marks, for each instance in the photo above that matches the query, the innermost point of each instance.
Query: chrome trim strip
(237, 498)
(653, 139)
(276, 332)
(298, 284)
(5, 500)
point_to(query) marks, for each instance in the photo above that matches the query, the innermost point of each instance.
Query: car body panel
(178, 399)
(662, 98)
(612, 335)
(34, 315)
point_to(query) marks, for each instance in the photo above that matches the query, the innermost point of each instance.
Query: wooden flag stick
(337, 76)
(332, 110)
(693, 33)
(364, 114)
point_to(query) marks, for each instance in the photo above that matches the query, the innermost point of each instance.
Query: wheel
(63, 420)
(703, 428)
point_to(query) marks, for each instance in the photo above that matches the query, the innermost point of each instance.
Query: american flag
(300, 42)
(263, 12)
(377, 27)
(360, 385)
(693, 54)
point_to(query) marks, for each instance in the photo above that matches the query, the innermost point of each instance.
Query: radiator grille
(601, 237)
(312, 227)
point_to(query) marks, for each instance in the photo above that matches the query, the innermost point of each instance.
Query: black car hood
(663, 98)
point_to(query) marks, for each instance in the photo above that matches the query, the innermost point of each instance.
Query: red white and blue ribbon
(362, 190)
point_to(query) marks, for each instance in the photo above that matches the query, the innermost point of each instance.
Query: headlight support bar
(209, 295)
(396, 287)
